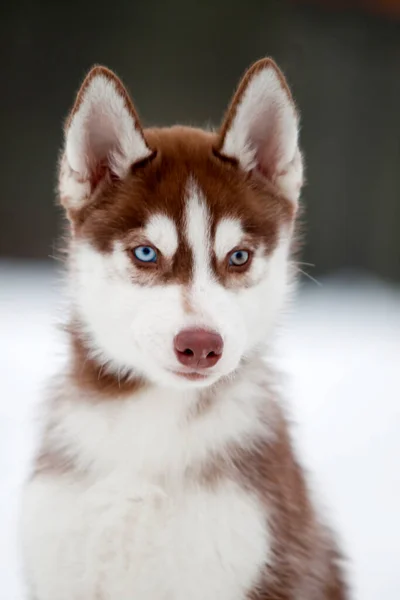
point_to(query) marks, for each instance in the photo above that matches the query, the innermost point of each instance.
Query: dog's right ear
(103, 137)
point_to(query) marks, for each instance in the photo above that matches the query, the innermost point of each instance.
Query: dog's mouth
(192, 375)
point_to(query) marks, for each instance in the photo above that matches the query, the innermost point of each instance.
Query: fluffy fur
(154, 481)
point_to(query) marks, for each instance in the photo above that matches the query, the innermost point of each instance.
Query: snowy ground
(341, 349)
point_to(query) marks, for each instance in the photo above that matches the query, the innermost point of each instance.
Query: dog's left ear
(103, 138)
(261, 126)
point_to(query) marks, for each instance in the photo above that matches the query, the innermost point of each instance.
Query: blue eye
(239, 258)
(145, 254)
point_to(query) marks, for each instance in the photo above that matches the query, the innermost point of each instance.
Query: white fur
(102, 129)
(73, 189)
(154, 434)
(161, 232)
(264, 132)
(228, 235)
(198, 233)
(116, 541)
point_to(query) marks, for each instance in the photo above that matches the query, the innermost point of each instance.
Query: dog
(165, 469)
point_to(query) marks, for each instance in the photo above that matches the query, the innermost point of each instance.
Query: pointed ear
(103, 137)
(260, 129)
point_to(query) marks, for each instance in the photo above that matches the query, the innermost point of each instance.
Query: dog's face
(180, 245)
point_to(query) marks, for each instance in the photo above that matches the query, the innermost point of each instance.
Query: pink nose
(198, 348)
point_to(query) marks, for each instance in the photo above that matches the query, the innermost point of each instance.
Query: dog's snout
(198, 348)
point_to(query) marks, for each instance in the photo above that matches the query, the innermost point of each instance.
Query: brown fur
(305, 561)
(93, 379)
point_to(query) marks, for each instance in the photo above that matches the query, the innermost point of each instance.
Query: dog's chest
(127, 536)
(137, 541)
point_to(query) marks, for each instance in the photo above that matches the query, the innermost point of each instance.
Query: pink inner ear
(267, 137)
(100, 145)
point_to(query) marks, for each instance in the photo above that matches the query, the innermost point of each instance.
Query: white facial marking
(161, 231)
(229, 234)
(198, 232)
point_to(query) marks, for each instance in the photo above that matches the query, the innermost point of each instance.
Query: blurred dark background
(181, 60)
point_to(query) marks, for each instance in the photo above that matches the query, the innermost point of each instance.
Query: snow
(341, 351)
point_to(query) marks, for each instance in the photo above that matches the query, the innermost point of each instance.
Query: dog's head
(180, 237)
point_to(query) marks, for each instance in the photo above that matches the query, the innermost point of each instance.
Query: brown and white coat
(153, 480)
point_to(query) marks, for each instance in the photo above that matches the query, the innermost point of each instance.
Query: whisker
(310, 277)
(305, 264)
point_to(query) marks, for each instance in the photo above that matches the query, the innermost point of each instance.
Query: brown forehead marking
(159, 185)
